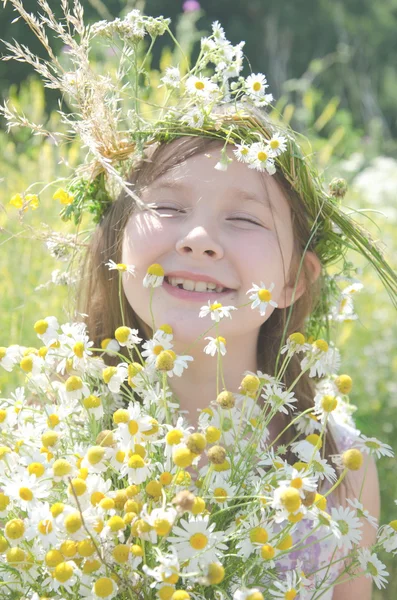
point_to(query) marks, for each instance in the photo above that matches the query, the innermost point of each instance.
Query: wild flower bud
(216, 455)
(226, 399)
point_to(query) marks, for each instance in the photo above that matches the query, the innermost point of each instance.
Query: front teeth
(197, 286)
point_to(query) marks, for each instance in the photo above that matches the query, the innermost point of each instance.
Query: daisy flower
(201, 87)
(41, 526)
(256, 84)
(261, 296)
(241, 152)
(194, 118)
(277, 144)
(180, 364)
(374, 447)
(253, 532)
(362, 512)
(373, 568)
(322, 359)
(216, 310)
(133, 424)
(154, 276)
(215, 345)
(172, 77)
(104, 588)
(47, 330)
(260, 158)
(26, 490)
(255, 87)
(65, 575)
(153, 347)
(74, 389)
(121, 267)
(114, 377)
(197, 541)
(136, 469)
(349, 527)
(322, 469)
(127, 337)
(279, 399)
(9, 357)
(300, 480)
(288, 588)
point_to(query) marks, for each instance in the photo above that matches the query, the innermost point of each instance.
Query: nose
(198, 242)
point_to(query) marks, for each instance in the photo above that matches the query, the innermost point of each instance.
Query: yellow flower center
(262, 156)
(92, 402)
(290, 499)
(291, 594)
(199, 85)
(25, 494)
(267, 552)
(174, 437)
(220, 494)
(40, 327)
(264, 295)
(136, 462)
(61, 467)
(122, 334)
(73, 383)
(321, 345)
(14, 529)
(73, 522)
(78, 349)
(198, 541)
(133, 427)
(215, 306)
(297, 483)
(108, 373)
(258, 535)
(36, 469)
(156, 270)
(45, 526)
(63, 572)
(257, 86)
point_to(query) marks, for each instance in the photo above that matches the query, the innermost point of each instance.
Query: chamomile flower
(279, 399)
(215, 345)
(241, 152)
(104, 588)
(120, 267)
(136, 469)
(373, 568)
(349, 527)
(288, 588)
(127, 337)
(253, 532)
(277, 144)
(362, 512)
(374, 447)
(153, 347)
(261, 296)
(172, 77)
(300, 480)
(154, 276)
(41, 526)
(216, 310)
(114, 377)
(201, 88)
(26, 490)
(75, 388)
(194, 118)
(261, 158)
(196, 540)
(256, 84)
(131, 424)
(9, 357)
(322, 359)
(65, 575)
(47, 330)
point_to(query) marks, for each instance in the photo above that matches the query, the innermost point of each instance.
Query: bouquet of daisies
(107, 492)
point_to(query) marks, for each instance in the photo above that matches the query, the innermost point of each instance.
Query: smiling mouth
(199, 287)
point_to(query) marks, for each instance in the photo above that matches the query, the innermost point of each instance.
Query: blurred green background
(331, 67)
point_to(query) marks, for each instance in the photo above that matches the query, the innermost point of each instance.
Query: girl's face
(220, 225)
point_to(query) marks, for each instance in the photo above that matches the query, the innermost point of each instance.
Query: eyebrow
(239, 192)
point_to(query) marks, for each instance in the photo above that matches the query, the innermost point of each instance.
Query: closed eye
(243, 219)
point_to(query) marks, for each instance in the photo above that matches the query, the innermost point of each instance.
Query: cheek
(143, 242)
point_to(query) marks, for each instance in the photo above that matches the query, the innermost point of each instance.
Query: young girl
(221, 235)
(225, 229)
